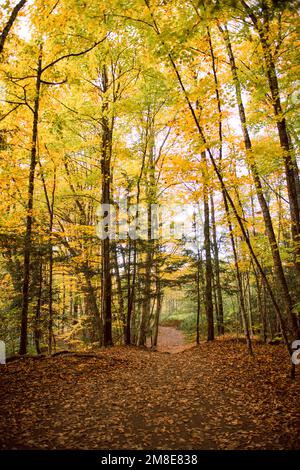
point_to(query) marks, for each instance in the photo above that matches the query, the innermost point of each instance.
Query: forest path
(171, 340)
(213, 396)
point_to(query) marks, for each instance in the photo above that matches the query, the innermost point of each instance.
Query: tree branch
(10, 22)
(11, 111)
(54, 83)
(73, 54)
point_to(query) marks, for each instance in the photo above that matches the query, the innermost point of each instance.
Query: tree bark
(159, 296)
(241, 298)
(131, 285)
(220, 319)
(37, 329)
(106, 199)
(208, 262)
(92, 305)
(149, 243)
(29, 217)
(120, 291)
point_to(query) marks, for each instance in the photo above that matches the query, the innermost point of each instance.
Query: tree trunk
(159, 296)
(219, 303)
(134, 246)
(241, 299)
(217, 270)
(260, 310)
(37, 329)
(130, 296)
(29, 217)
(92, 306)
(51, 213)
(149, 243)
(198, 298)
(120, 292)
(208, 263)
(106, 199)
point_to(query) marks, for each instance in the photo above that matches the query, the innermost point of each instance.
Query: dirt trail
(171, 340)
(213, 396)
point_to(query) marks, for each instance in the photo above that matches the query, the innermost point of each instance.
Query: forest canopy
(180, 121)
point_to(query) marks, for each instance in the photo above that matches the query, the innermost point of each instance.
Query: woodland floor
(171, 340)
(208, 397)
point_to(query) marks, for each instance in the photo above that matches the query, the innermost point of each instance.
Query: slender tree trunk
(151, 193)
(64, 307)
(37, 327)
(147, 286)
(198, 299)
(219, 307)
(50, 330)
(29, 217)
(260, 310)
(129, 297)
(131, 282)
(71, 294)
(159, 296)
(241, 299)
(208, 263)
(106, 199)
(50, 206)
(217, 269)
(76, 303)
(92, 303)
(132, 287)
(120, 292)
(50, 320)
(250, 312)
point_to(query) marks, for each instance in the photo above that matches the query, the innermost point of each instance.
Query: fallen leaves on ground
(209, 397)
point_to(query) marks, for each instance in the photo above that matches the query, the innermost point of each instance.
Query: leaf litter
(213, 396)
